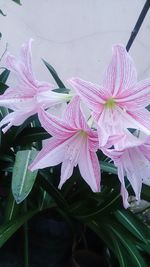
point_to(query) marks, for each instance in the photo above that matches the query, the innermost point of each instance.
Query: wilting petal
(123, 191)
(89, 168)
(133, 169)
(133, 163)
(121, 73)
(51, 154)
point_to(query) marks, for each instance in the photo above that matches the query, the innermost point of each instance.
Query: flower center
(110, 103)
(83, 133)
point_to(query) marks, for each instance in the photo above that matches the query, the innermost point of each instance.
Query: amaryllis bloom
(73, 143)
(132, 162)
(119, 103)
(28, 94)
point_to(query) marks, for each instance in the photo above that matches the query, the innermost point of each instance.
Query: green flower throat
(110, 103)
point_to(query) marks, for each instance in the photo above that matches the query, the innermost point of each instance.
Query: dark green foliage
(17, 1)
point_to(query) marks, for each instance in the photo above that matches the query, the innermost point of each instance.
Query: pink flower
(73, 143)
(133, 162)
(119, 103)
(28, 94)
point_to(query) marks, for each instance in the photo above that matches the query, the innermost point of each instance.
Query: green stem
(138, 24)
(26, 241)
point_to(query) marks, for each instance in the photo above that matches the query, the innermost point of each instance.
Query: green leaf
(3, 112)
(120, 253)
(145, 194)
(29, 135)
(17, 1)
(54, 74)
(145, 248)
(11, 208)
(1, 12)
(51, 190)
(22, 178)
(8, 229)
(129, 245)
(3, 87)
(110, 203)
(45, 200)
(133, 224)
(124, 258)
(102, 232)
(4, 76)
(61, 90)
(8, 138)
(108, 167)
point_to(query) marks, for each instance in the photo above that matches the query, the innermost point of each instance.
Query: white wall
(75, 36)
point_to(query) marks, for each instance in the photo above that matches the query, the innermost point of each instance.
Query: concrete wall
(75, 36)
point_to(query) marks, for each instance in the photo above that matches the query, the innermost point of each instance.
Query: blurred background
(75, 37)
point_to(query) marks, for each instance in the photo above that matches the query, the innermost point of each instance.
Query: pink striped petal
(124, 192)
(145, 148)
(121, 73)
(66, 172)
(93, 141)
(89, 168)
(74, 116)
(93, 95)
(23, 70)
(13, 101)
(137, 97)
(142, 118)
(55, 126)
(15, 118)
(51, 154)
(25, 56)
(50, 98)
(19, 69)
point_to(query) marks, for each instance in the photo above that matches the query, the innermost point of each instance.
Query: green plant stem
(26, 241)
(138, 24)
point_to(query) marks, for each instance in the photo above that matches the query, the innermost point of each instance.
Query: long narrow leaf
(7, 230)
(4, 76)
(11, 208)
(23, 179)
(108, 167)
(54, 74)
(133, 224)
(130, 246)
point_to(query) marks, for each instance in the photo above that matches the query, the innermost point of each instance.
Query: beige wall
(75, 36)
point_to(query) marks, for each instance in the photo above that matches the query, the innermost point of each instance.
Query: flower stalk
(138, 24)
